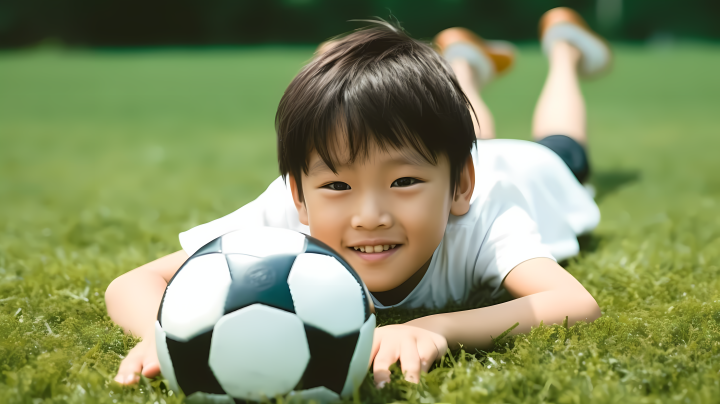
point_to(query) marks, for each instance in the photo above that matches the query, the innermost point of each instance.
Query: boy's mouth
(372, 249)
(375, 253)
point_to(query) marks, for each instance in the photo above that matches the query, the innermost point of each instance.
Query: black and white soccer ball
(264, 312)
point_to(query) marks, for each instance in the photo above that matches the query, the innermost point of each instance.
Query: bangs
(375, 87)
(351, 136)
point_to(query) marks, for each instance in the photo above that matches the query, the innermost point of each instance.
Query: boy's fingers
(150, 369)
(375, 345)
(381, 377)
(428, 353)
(410, 361)
(129, 369)
(151, 365)
(385, 357)
(134, 363)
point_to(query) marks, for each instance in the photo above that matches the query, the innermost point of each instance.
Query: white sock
(595, 53)
(483, 67)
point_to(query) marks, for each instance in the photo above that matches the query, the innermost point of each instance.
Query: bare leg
(561, 107)
(468, 83)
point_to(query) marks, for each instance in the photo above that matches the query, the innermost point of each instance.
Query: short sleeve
(509, 236)
(561, 207)
(273, 208)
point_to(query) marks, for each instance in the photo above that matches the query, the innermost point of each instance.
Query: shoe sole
(487, 58)
(564, 24)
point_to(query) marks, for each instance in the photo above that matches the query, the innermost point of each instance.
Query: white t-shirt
(526, 204)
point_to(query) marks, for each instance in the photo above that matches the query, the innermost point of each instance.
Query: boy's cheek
(331, 222)
(323, 230)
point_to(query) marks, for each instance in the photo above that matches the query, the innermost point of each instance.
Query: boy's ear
(299, 205)
(464, 189)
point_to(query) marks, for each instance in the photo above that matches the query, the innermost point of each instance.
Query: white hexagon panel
(195, 299)
(326, 295)
(239, 351)
(206, 398)
(360, 361)
(166, 366)
(318, 394)
(263, 241)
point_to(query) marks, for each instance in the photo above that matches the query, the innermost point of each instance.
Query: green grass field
(106, 155)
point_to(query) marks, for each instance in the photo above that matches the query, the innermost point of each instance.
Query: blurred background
(123, 123)
(139, 119)
(116, 109)
(222, 22)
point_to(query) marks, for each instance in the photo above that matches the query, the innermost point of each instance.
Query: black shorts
(571, 152)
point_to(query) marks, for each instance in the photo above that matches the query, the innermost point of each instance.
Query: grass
(106, 156)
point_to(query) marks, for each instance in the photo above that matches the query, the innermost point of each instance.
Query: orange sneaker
(564, 24)
(487, 58)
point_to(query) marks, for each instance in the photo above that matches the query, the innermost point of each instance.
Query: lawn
(106, 155)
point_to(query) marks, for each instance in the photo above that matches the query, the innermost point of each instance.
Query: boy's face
(386, 214)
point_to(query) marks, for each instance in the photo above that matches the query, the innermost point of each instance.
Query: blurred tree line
(216, 22)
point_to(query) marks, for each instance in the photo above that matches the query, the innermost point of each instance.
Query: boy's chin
(378, 281)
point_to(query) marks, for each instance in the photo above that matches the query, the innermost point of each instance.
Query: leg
(485, 125)
(561, 107)
(475, 62)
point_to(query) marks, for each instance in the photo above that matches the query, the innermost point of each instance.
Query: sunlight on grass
(106, 156)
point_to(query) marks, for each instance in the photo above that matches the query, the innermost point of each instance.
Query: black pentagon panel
(190, 362)
(214, 246)
(329, 359)
(315, 246)
(264, 281)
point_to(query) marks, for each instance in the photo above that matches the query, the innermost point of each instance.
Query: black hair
(375, 84)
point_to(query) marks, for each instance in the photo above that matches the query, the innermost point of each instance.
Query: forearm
(133, 299)
(476, 328)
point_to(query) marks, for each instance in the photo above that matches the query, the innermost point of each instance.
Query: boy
(378, 145)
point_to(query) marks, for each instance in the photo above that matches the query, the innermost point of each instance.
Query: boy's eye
(405, 182)
(337, 186)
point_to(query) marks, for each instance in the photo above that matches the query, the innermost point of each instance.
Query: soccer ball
(263, 312)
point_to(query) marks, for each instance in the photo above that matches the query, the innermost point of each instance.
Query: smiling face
(391, 109)
(385, 214)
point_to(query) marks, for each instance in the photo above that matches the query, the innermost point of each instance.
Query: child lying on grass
(377, 144)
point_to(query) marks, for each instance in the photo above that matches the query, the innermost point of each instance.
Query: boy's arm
(132, 302)
(544, 291)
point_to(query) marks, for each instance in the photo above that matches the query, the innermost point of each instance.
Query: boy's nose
(371, 215)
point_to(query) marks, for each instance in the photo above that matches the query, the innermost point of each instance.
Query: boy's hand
(415, 347)
(141, 359)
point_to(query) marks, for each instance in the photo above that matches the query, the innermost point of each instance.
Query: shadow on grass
(607, 182)
(589, 242)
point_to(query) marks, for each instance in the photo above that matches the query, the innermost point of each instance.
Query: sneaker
(564, 24)
(487, 58)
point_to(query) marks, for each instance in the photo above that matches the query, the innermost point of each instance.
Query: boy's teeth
(375, 248)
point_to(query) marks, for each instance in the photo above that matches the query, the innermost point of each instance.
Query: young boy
(377, 141)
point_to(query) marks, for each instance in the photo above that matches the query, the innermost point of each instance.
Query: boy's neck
(394, 296)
